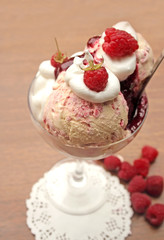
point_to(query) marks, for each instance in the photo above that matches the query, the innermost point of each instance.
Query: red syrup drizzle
(92, 41)
(127, 89)
(63, 67)
(140, 112)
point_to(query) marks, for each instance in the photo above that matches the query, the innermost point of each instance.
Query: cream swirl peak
(74, 77)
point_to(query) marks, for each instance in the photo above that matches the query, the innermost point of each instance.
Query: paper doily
(110, 222)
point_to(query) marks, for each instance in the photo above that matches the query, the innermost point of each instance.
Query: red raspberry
(119, 43)
(137, 184)
(53, 61)
(142, 166)
(96, 80)
(112, 163)
(155, 214)
(149, 153)
(57, 59)
(154, 185)
(140, 202)
(127, 171)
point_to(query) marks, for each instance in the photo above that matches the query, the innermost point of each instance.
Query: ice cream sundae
(87, 99)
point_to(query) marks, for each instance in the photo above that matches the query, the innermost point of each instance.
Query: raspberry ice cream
(145, 59)
(79, 122)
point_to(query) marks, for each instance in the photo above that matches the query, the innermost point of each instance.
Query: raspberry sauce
(128, 89)
(65, 65)
(92, 41)
(139, 114)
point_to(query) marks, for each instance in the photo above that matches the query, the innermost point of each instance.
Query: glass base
(111, 221)
(76, 188)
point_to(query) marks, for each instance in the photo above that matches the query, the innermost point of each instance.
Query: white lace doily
(110, 222)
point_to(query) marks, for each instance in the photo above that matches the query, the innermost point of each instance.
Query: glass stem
(78, 173)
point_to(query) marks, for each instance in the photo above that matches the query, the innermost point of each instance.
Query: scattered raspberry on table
(155, 214)
(140, 202)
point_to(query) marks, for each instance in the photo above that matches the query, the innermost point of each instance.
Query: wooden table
(27, 36)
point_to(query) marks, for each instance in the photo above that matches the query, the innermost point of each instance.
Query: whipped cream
(42, 87)
(74, 77)
(121, 67)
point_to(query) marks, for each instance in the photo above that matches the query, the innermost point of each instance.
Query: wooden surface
(27, 31)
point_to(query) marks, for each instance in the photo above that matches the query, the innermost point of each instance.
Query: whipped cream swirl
(74, 77)
(42, 87)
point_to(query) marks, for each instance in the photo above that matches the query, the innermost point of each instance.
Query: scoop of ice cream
(145, 58)
(42, 88)
(79, 122)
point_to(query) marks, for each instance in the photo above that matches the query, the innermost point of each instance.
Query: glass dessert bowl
(77, 184)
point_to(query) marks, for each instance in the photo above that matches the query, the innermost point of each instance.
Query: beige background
(27, 31)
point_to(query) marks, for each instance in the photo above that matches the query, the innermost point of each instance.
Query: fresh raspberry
(96, 80)
(149, 153)
(57, 59)
(140, 202)
(137, 184)
(155, 214)
(127, 171)
(119, 43)
(142, 166)
(112, 163)
(154, 185)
